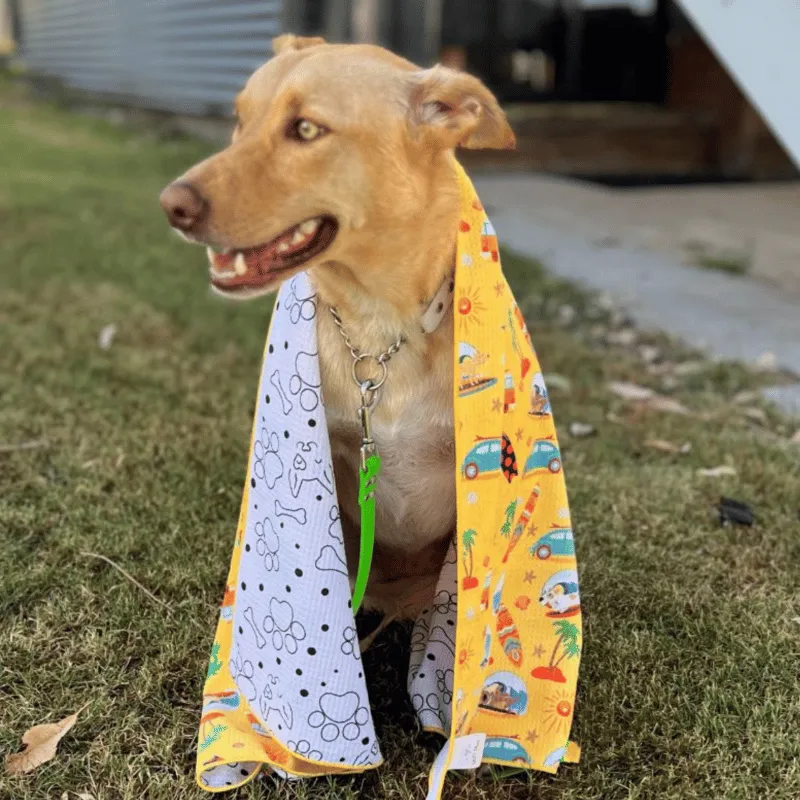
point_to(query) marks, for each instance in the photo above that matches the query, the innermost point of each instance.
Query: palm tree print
(215, 665)
(566, 642)
(468, 541)
(505, 529)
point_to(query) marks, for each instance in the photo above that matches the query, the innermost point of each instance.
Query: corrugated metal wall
(188, 56)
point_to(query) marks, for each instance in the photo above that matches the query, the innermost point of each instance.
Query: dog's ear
(289, 42)
(454, 109)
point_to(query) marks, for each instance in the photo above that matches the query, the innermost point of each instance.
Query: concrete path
(729, 317)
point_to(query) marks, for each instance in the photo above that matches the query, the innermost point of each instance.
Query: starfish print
(538, 651)
(497, 405)
(532, 737)
(530, 577)
(519, 434)
(470, 613)
(498, 287)
(532, 530)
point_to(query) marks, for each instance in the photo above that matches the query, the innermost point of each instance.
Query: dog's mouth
(244, 272)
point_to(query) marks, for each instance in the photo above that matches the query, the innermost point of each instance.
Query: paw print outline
(301, 383)
(304, 308)
(280, 623)
(242, 672)
(267, 464)
(350, 645)
(268, 544)
(303, 748)
(444, 684)
(339, 715)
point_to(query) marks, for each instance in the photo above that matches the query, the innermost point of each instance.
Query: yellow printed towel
(494, 660)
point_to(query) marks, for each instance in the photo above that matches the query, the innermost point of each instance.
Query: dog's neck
(376, 304)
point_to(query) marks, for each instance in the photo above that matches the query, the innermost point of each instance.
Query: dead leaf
(630, 391)
(647, 398)
(579, 430)
(612, 417)
(662, 446)
(766, 362)
(41, 742)
(717, 472)
(85, 796)
(755, 414)
(566, 315)
(106, 337)
(745, 398)
(689, 368)
(666, 404)
(796, 438)
(660, 368)
(624, 338)
(649, 353)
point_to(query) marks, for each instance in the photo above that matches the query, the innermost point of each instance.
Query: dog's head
(334, 146)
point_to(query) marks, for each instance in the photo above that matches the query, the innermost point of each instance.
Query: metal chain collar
(367, 385)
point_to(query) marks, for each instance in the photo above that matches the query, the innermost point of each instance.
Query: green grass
(732, 263)
(689, 678)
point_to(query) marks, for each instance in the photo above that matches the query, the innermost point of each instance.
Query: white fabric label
(468, 751)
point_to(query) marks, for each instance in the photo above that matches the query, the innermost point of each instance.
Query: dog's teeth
(240, 265)
(298, 237)
(283, 247)
(309, 226)
(210, 253)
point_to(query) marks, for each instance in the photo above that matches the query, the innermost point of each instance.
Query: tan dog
(342, 165)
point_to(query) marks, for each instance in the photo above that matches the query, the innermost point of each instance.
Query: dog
(342, 164)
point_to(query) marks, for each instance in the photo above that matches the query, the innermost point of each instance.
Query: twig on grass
(129, 577)
(33, 444)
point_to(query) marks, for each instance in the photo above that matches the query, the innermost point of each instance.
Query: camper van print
(506, 749)
(558, 543)
(488, 456)
(544, 455)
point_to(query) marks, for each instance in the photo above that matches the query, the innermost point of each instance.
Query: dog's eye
(305, 130)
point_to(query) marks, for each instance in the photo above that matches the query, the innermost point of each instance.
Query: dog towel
(494, 659)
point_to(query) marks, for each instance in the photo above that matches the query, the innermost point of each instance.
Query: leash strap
(368, 478)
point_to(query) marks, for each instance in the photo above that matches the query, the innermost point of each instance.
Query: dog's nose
(184, 206)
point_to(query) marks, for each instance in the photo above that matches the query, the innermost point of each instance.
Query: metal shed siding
(189, 56)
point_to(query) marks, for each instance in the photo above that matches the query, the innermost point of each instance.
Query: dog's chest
(413, 431)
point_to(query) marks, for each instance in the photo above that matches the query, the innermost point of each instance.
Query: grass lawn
(689, 683)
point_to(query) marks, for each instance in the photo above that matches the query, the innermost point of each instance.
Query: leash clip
(369, 396)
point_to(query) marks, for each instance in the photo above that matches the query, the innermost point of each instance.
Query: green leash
(368, 479)
(367, 484)
(370, 460)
